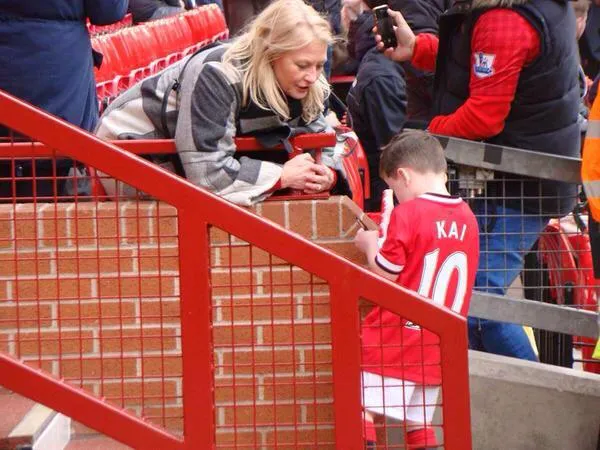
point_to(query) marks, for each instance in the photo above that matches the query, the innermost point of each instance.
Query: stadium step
(27, 424)
(84, 438)
(98, 442)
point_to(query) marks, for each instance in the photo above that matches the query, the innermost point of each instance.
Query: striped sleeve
(205, 133)
(386, 265)
(391, 257)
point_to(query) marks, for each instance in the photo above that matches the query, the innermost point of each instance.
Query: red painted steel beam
(456, 399)
(164, 146)
(345, 342)
(196, 332)
(85, 408)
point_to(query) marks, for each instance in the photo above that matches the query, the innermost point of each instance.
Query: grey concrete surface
(520, 405)
(535, 314)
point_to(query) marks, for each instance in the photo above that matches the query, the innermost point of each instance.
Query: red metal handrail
(197, 209)
(163, 146)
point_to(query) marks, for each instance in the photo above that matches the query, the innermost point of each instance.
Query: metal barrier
(187, 322)
(557, 263)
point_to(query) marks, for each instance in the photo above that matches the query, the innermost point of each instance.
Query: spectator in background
(330, 8)
(377, 99)
(145, 10)
(581, 9)
(506, 73)
(191, 4)
(46, 59)
(386, 93)
(589, 45)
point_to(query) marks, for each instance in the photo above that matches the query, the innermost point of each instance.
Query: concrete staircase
(25, 424)
(84, 438)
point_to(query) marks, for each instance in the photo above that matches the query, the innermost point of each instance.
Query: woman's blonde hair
(285, 25)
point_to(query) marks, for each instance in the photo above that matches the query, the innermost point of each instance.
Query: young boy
(431, 247)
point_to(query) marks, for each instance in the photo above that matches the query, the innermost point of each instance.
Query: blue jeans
(505, 237)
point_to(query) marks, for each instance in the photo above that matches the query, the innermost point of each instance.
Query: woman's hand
(302, 173)
(405, 37)
(325, 180)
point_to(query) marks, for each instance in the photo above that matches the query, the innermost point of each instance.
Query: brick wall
(90, 292)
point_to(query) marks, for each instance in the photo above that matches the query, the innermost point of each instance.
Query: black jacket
(142, 10)
(421, 15)
(376, 101)
(544, 113)
(333, 9)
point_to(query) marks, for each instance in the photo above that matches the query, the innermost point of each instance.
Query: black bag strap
(175, 86)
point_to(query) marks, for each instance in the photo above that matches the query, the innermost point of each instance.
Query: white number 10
(456, 261)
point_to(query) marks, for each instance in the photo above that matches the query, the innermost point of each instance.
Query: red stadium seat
(198, 22)
(107, 70)
(133, 53)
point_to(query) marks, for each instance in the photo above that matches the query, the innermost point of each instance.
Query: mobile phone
(385, 26)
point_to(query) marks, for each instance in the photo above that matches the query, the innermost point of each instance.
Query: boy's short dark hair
(581, 7)
(414, 149)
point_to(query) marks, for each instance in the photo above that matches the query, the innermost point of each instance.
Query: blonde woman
(268, 83)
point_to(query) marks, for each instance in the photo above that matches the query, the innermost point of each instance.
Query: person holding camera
(386, 94)
(506, 72)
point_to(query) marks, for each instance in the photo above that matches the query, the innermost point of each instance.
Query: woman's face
(297, 70)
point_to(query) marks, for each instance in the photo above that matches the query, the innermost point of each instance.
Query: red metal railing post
(83, 407)
(196, 335)
(456, 400)
(345, 338)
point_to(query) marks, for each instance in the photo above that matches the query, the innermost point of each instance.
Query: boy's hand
(366, 241)
(405, 37)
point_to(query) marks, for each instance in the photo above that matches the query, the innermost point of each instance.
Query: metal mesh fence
(272, 349)
(534, 246)
(89, 291)
(401, 382)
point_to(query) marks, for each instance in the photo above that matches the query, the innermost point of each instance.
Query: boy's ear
(403, 175)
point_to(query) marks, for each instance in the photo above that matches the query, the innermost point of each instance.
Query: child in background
(431, 247)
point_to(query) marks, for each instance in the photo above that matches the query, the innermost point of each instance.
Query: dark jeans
(49, 182)
(504, 240)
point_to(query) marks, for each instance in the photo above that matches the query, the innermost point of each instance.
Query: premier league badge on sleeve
(484, 64)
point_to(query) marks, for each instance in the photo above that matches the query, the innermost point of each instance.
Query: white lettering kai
(450, 232)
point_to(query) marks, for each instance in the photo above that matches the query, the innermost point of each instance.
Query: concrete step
(85, 438)
(26, 424)
(95, 442)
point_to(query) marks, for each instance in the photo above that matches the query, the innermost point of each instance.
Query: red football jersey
(432, 244)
